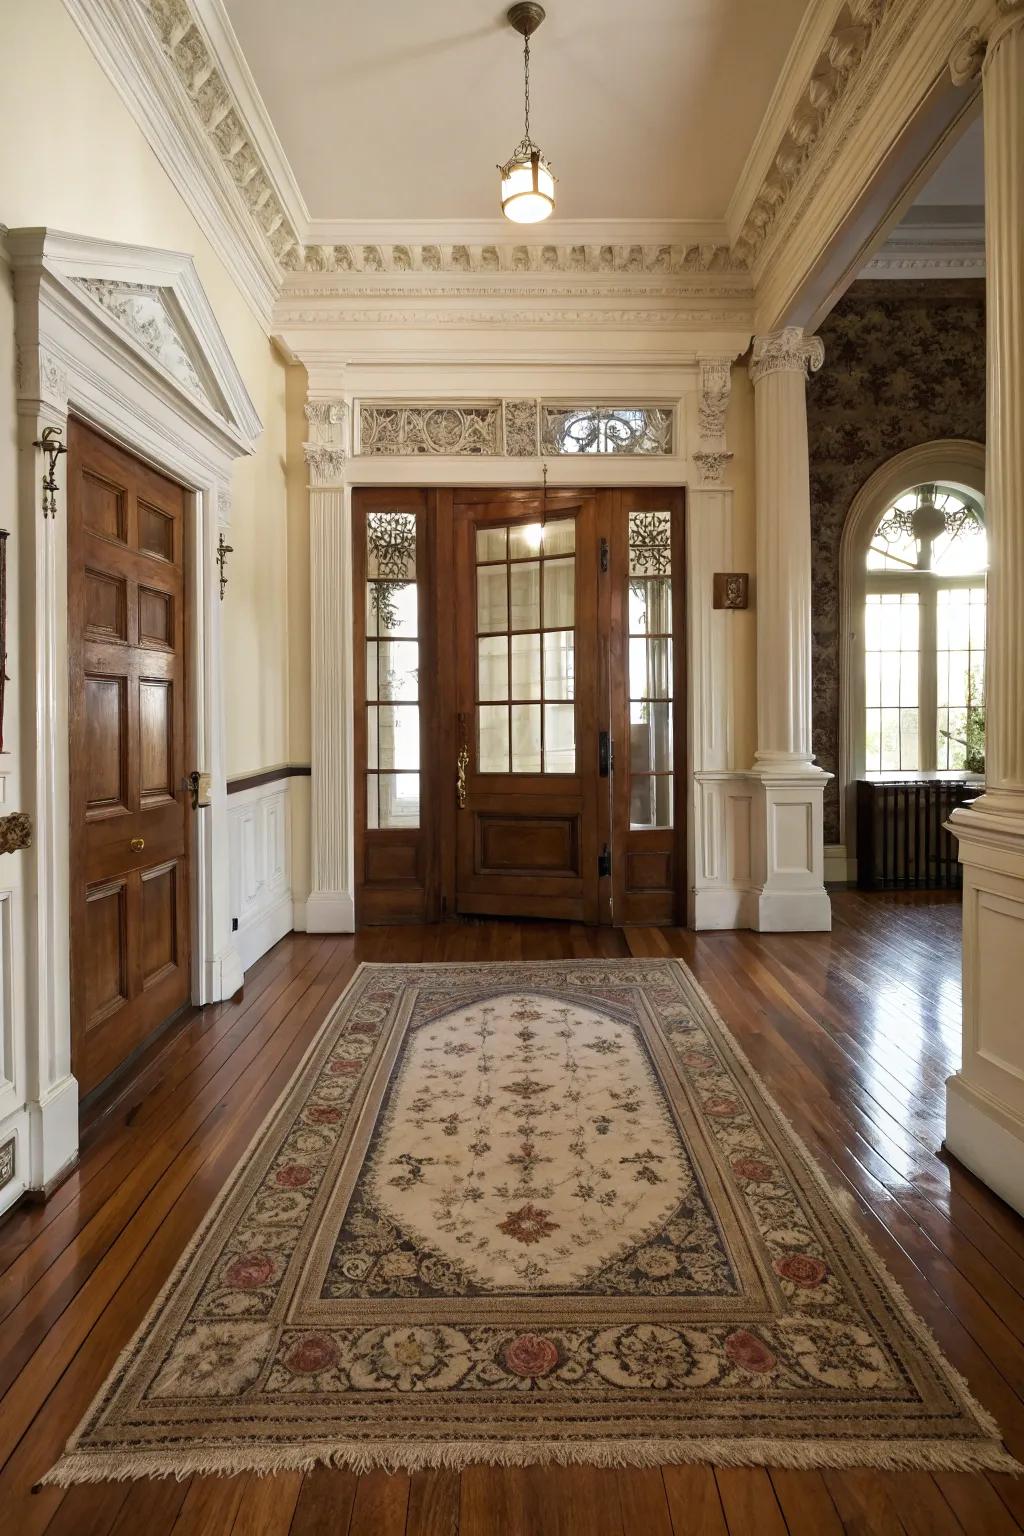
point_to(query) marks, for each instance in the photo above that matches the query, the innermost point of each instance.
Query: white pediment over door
(156, 303)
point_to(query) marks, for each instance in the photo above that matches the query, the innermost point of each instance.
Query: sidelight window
(526, 647)
(392, 672)
(650, 669)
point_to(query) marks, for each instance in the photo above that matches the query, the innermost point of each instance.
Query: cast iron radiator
(901, 841)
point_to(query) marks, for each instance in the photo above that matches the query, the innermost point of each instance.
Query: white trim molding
(153, 372)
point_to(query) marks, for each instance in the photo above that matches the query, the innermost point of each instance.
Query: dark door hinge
(604, 862)
(604, 554)
(605, 754)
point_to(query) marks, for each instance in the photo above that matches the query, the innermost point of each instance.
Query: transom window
(924, 635)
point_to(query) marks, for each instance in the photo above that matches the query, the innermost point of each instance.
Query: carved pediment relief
(154, 319)
(141, 301)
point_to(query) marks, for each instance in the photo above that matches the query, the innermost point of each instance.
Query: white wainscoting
(259, 839)
(13, 1111)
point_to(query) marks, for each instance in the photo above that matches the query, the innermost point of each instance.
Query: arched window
(911, 621)
(924, 634)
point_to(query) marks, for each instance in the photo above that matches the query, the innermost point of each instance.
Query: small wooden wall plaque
(731, 589)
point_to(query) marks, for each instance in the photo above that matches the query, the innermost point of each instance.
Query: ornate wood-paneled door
(519, 704)
(130, 961)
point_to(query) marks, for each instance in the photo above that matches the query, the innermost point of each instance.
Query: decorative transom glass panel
(891, 645)
(526, 647)
(392, 672)
(650, 671)
(930, 528)
(430, 429)
(641, 429)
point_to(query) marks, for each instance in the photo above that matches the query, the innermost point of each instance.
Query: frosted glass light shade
(527, 190)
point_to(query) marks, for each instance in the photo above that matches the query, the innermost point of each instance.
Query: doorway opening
(519, 704)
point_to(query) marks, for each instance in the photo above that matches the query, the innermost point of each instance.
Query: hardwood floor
(854, 1033)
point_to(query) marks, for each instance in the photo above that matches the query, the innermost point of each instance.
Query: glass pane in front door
(526, 647)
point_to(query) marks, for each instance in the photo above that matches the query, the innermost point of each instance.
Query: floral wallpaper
(904, 364)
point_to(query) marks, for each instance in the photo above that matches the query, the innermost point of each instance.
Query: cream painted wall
(740, 436)
(71, 157)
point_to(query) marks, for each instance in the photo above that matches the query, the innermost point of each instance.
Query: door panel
(129, 809)
(526, 696)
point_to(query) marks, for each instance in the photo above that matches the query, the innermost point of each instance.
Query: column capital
(326, 465)
(786, 351)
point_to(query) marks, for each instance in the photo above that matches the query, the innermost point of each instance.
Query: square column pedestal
(789, 860)
(985, 1099)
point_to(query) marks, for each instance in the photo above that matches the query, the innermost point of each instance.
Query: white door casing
(123, 338)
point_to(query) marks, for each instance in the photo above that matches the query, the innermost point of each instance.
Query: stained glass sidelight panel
(650, 669)
(525, 680)
(392, 672)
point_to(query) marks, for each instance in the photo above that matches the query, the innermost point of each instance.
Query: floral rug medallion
(527, 1212)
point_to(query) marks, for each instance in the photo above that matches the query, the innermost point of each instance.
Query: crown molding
(931, 248)
(226, 51)
(791, 86)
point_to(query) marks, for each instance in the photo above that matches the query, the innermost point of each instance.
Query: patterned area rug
(524, 1213)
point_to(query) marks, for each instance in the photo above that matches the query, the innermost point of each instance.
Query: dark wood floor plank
(749, 1502)
(643, 1502)
(267, 1505)
(920, 1504)
(806, 1503)
(976, 1505)
(210, 1506)
(151, 1507)
(693, 1501)
(381, 1505)
(433, 1503)
(324, 1505)
(88, 1511)
(863, 1504)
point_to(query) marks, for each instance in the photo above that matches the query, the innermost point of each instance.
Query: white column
(330, 907)
(790, 844)
(985, 1100)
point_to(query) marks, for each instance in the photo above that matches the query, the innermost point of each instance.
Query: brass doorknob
(137, 844)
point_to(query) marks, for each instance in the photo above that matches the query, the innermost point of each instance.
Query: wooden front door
(527, 670)
(129, 807)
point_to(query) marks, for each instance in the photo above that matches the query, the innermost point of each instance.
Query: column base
(790, 851)
(985, 1100)
(330, 912)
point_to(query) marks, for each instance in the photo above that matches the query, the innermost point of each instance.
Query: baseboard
(263, 931)
(298, 913)
(840, 869)
(52, 1134)
(718, 907)
(987, 1139)
(330, 912)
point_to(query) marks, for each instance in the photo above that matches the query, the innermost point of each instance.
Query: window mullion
(928, 680)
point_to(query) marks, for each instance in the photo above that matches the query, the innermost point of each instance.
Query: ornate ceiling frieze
(849, 45)
(701, 257)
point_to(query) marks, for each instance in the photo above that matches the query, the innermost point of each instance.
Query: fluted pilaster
(329, 907)
(1003, 90)
(779, 368)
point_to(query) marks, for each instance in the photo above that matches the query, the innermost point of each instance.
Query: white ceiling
(397, 109)
(959, 182)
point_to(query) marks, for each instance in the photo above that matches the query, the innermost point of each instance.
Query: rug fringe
(914, 1455)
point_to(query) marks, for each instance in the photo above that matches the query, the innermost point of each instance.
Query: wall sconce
(731, 589)
(52, 446)
(223, 550)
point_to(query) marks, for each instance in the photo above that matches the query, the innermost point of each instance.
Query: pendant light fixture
(527, 181)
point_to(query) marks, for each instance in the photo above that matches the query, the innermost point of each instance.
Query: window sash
(927, 585)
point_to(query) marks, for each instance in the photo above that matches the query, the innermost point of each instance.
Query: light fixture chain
(526, 83)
